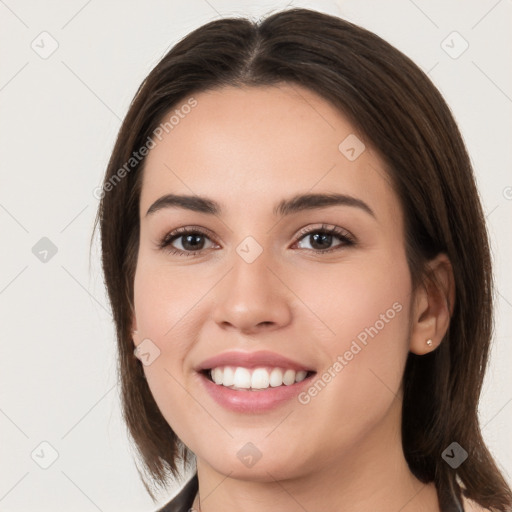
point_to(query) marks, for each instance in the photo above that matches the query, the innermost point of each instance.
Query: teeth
(276, 377)
(217, 375)
(289, 377)
(259, 378)
(242, 378)
(228, 377)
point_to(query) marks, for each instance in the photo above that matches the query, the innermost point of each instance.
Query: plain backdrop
(68, 72)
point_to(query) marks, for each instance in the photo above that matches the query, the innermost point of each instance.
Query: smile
(240, 378)
(253, 382)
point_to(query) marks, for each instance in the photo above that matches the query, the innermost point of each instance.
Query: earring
(429, 343)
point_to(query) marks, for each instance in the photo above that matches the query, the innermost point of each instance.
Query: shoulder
(472, 506)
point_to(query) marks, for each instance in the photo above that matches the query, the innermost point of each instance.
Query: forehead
(256, 145)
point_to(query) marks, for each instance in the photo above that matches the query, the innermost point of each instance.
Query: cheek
(163, 299)
(362, 377)
(165, 303)
(363, 298)
(373, 353)
(367, 312)
(155, 316)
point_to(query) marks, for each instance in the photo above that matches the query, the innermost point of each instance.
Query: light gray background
(59, 119)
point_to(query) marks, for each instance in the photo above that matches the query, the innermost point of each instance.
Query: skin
(249, 148)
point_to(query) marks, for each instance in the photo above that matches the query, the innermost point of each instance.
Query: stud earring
(429, 343)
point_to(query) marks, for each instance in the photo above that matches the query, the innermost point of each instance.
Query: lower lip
(248, 401)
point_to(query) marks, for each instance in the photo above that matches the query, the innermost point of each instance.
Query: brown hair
(395, 105)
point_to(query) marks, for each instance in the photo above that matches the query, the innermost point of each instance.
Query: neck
(372, 475)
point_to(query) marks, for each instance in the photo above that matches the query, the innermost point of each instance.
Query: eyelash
(343, 235)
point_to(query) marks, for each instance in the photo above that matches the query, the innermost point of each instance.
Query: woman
(299, 271)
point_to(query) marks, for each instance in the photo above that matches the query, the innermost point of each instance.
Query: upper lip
(251, 360)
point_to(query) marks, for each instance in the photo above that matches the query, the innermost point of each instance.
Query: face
(317, 289)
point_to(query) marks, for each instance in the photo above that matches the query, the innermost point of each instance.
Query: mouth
(253, 382)
(239, 378)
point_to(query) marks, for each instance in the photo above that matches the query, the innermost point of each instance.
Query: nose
(252, 297)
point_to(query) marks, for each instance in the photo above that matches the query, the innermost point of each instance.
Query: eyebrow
(284, 208)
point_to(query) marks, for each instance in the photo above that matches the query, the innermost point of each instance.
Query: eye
(192, 240)
(323, 236)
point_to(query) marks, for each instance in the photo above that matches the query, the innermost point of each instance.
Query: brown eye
(191, 241)
(321, 238)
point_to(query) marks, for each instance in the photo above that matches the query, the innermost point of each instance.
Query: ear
(432, 306)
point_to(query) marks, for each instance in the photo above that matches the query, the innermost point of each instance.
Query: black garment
(183, 501)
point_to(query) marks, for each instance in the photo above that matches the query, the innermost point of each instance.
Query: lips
(251, 400)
